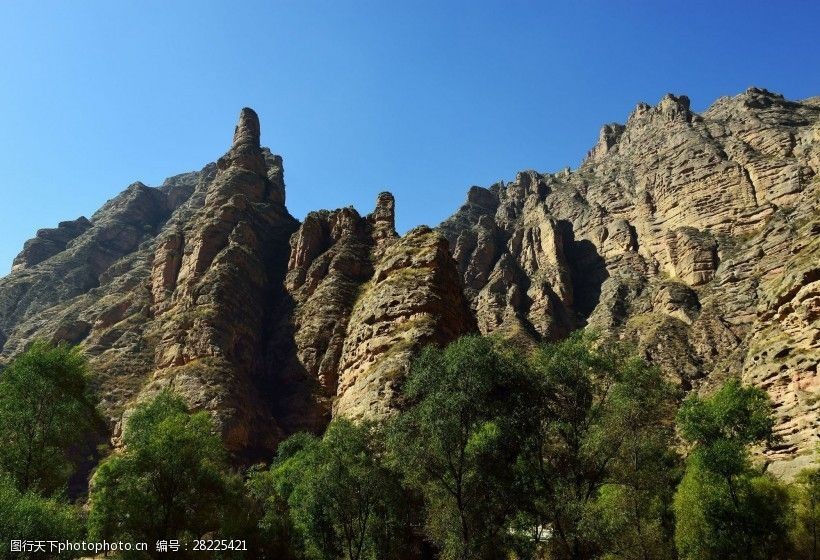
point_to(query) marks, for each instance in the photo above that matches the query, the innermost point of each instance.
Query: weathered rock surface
(693, 236)
(413, 298)
(331, 258)
(173, 287)
(363, 301)
(49, 242)
(214, 285)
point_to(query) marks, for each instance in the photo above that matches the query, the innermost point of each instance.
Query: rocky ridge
(694, 236)
(691, 235)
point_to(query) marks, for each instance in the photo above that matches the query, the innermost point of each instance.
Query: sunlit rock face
(171, 287)
(693, 236)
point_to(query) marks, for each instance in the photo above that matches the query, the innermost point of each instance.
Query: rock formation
(693, 236)
(173, 287)
(362, 301)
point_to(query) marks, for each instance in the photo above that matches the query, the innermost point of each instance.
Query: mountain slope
(695, 236)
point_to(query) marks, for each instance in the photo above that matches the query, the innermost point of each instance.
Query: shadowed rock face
(173, 287)
(49, 242)
(693, 236)
(215, 282)
(362, 300)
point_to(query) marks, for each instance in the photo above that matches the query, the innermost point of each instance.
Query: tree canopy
(46, 412)
(172, 465)
(341, 499)
(725, 507)
(575, 450)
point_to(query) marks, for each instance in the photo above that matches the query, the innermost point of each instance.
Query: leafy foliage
(724, 425)
(173, 466)
(456, 441)
(45, 413)
(806, 523)
(338, 495)
(724, 508)
(29, 516)
(565, 452)
(599, 465)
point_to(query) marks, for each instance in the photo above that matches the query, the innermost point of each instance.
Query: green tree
(599, 464)
(724, 508)
(456, 440)
(340, 498)
(806, 499)
(635, 501)
(45, 415)
(170, 480)
(268, 520)
(29, 516)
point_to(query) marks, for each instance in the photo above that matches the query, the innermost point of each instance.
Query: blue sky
(421, 98)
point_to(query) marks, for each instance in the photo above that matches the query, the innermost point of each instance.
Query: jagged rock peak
(245, 152)
(679, 101)
(383, 217)
(385, 208)
(247, 130)
(482, 197)
(607, 139)
(763, 92)
(50, 242)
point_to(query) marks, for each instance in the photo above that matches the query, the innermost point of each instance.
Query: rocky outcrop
(691, 235)
(214, 285)
(414, 298)
(36, 295)
(363, 301)
(173, 287)
(687, 234)
(49, 242)
(331, 257)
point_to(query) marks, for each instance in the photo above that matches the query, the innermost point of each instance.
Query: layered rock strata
(693, 236)
(690, 235)
(363, 300)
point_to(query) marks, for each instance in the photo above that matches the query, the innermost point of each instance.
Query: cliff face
(362, 301)
(208, 287)
(171, 287)
(694, 236)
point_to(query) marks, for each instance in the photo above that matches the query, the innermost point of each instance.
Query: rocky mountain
(694, 236)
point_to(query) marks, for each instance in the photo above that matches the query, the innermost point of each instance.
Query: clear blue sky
(421, 98)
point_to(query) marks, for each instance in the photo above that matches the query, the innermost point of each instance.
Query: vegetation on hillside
(575, 451)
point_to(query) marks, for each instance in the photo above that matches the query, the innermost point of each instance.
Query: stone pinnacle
(247, 130)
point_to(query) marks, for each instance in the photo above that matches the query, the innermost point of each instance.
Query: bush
(45, 415)
(30, 516)
(170, 480)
